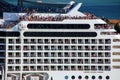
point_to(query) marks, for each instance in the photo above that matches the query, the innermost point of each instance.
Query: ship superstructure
(70, 45)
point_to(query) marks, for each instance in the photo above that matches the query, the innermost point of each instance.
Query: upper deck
(71, 13)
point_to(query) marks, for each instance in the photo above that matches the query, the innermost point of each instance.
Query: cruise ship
(57, 44)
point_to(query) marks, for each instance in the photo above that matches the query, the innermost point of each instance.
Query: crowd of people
(104, 26)
(30, 17)
(8, 25)
(109, 33)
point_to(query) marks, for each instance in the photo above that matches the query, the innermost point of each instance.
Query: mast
(20, 3)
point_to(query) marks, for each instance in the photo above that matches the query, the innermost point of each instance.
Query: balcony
(80, 47)
(26, 41)
(94, 48)
(101, 41)
(60, 68)
(10, 69)
(107, 41)
(60, 41)
(93, 61)
(46, 68)
(40, 61)
(73, 61)
(53, 54)
(93, 68)
(73, 68)
(40, 41)
(25, 62)
(73, 41)
(60, 54)
(53, 48)
(32, 55)
(66, 61)
(80, 68)
(100, 54)
(32, 62)
(17, 61)
(80, 61)
(25, 68)
(107, 54)
(107, 61)
(107, 47)
(93, 54)
(18, 41)
(17, 68)
(25, 47)
(107, 68)
(18, 55)
(53, 61)
(60, 61)
(80, 54)
(39, 68)
(46, 61)
(54, 41)
(32, 68)
(66, 54)
(10, 62)
(100, 61)
(87, 41)
(86, 68)
(32, 41)
(11, 41)
(94, 41)
(80, 41)
(18, 48)
(67, 41)
(73, 48)
(40, 54)
(33, 48)
(66, 68)
(100, 68)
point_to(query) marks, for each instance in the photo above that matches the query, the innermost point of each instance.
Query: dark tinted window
(60, 34)
(58, 26)
(9, 34)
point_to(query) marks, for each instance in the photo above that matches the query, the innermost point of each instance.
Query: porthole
(93, 77)
(107, 77)
(99, 77)
(73, 77)
(66, 77)
(86, 77)
(79, 77)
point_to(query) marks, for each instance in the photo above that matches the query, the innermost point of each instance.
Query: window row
(14, 54)
(116, 53)
(104, 26)
(65, 68)
(116, 40)
(66, 54)
(2, 40)
(62, 47)
(68, 41)
(60, 61)
(14, 41)
(2, 47)
(60, 34)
